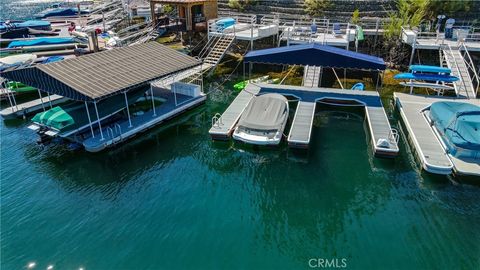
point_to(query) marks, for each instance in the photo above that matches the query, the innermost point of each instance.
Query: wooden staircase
(218, 48)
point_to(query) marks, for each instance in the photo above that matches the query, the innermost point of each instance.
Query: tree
(355, 16)
(409, 13)
(316, 7)
(240, 5)
(448, 8)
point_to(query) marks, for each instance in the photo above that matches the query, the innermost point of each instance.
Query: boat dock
(299, 136)
(428, 148)
(300, 131)
(223, 125)
(31, 107)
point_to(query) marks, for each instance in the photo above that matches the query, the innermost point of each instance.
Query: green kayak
(20, 87)
(264, 79)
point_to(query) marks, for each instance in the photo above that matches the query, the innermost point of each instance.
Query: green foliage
(167, 9)
(409, 12)
(355, 16)
(240, 5)
(449, 8)
(316, 7)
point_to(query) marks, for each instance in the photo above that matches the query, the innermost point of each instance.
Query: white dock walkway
(311, 76)
(224, 126)
(380, 129)
(428, 148)
(31, 107)
(301, 129)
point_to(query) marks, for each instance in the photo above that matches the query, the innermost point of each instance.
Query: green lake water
(173, 199)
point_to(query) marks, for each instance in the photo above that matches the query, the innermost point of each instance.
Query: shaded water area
(173, 199)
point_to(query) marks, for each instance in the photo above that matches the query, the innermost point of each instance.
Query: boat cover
(459, 122)
(425, 77)
(60, 12)
(41, 41)
(265, 112)
(431, 69)
(35, 24)
(55, 118)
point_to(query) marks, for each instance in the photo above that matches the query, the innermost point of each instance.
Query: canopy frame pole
(98, 118)
(49, 100)
(41, 99)
(413, 50)
(338, 79)
(174, 92)
(89, 119)
(244, 70)
(153, 101)
(378, 79)
(128, 110)
(5, 83)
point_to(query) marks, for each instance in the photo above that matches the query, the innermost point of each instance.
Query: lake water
(173, 199)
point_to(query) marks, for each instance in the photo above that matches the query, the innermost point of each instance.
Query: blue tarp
(59, 12)
(316, 55)
(35, 24)
(459, 122)
(41, 41)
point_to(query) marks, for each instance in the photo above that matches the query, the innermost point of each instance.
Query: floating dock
(223, 126)
(124, 130)
(31, 107)
(299, 136)
(300, 131)
(428, 148)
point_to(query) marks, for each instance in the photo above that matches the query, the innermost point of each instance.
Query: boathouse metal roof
(99, 75)
(316, 55)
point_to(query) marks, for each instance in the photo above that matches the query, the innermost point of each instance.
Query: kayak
(264, 79)
(425, 77)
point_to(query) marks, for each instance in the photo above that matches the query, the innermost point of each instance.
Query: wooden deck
(428, 148)
(301, 129)
(31, 107)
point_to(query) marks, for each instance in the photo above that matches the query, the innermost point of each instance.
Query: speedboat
(457, 126)
(263, 120)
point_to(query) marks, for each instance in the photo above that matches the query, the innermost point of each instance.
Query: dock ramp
(301, 129)
(453, 59)
(311, 76)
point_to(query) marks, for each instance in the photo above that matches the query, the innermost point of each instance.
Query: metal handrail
(471, 67)
(458, 69)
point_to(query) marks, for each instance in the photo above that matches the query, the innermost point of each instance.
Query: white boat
(263, 120)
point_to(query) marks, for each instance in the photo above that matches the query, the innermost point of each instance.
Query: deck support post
(413, 50)
(41, 99)
(128, 110)
(98, 118)
(153, 101)
(89, 120)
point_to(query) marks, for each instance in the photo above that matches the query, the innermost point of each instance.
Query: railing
(393, 136)
(217, 120)
(450, 51)
(471, 68)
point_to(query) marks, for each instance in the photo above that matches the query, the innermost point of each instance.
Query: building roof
(99, 75)
(316, 55)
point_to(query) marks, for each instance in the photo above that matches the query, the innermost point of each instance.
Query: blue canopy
(316, 55)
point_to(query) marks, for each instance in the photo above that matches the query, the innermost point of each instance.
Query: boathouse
(193, 13)
(384, 139)
(103, 87)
